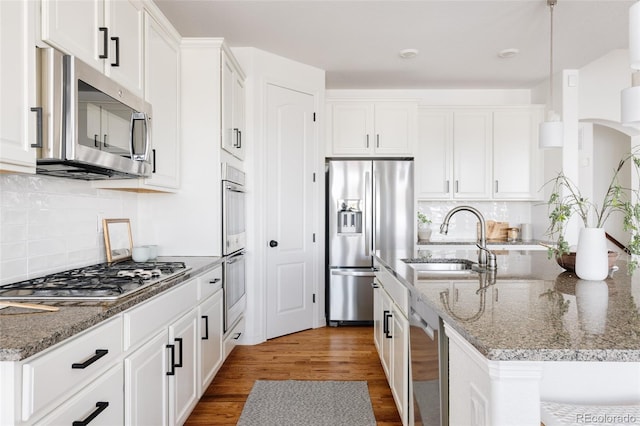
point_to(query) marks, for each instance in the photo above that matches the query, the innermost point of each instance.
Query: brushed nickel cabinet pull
(38, 111)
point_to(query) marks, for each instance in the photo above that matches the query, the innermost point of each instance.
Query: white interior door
(289, 211)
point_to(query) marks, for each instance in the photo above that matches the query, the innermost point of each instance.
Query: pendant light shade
(551, 131)
(551, 134)
(631, 106)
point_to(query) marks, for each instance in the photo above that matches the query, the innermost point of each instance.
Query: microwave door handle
(147, 136)
(137, 116)
(132, 149)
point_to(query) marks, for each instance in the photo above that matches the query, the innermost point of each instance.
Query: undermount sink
(442, 266)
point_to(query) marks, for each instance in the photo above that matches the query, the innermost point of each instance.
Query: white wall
(601, 82)
(609, 147)
(52, 224)
(189, 222)
(264, 68)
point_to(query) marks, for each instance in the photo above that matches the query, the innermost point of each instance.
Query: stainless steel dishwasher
(429, 366)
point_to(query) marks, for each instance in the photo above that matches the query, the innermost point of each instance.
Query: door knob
(273, 243)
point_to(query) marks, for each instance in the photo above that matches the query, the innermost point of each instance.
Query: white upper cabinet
(124, 19)
(516, 156)
(162, 80)
(233, 104)
(17, 85)
(106, 34)
(478, 153)
(472, 154)
(382, 128)
(162, 91)
(434, 154)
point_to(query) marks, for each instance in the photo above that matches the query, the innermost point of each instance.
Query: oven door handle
(234, 188)
(235, 258)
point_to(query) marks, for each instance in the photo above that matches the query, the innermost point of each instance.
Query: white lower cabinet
(99, 404)
(54, 377)
(161, 377)
(146, 384)
(391, 334)
(209, 340)
(146, 366)
(183, 394)
(232, 337)
(377, 315)
(399, 328)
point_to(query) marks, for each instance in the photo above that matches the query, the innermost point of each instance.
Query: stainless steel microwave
(89, 127)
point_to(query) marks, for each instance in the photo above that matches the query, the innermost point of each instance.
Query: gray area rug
(296, 402)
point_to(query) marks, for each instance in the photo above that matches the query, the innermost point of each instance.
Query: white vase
(592, 262)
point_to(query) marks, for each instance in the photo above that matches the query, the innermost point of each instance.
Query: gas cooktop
(103, 281)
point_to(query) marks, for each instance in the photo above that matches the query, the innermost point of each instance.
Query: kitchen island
(531, 332)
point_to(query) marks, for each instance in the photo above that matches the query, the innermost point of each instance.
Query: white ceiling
(357, 42)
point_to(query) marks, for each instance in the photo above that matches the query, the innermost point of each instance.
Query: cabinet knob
(273, 243)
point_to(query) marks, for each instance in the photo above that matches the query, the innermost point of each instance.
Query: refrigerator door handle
(367, 223)
(374, 212)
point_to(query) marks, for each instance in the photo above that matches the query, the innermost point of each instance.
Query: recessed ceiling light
(408, 53)
(508, 53)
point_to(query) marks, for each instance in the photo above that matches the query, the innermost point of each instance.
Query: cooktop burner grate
(102, 281)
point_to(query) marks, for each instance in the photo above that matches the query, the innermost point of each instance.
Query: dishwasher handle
(419, 322)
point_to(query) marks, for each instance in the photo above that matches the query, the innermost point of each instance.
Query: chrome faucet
(486, 258)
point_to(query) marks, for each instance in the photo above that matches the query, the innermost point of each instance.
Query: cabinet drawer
(145, 320)
(209, 283)
(398, 291)
(232, 337)
(102, 398)
(49, 377)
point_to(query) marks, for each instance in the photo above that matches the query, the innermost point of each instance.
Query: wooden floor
(330, 353)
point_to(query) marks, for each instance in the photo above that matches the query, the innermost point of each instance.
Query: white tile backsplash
(463, 224)
(51, 224)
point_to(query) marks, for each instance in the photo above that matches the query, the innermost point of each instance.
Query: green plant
(566, 200)
(422, 218)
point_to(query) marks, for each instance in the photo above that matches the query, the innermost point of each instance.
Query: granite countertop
(532, 309)
(25, 332)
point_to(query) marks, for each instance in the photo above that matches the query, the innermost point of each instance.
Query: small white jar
(140, 254)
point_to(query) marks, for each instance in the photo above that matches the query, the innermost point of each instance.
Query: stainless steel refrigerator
(369, 207)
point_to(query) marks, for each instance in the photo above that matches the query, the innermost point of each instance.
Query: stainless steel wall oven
(233, 244)
(234, 288)
(233, 210)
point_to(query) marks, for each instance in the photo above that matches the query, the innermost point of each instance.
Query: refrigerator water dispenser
(349, 218)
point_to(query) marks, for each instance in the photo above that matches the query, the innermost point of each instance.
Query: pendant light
(630, 98)
(551, 131)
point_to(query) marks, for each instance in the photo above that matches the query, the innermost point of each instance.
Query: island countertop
(25, 332)
(532, 309)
